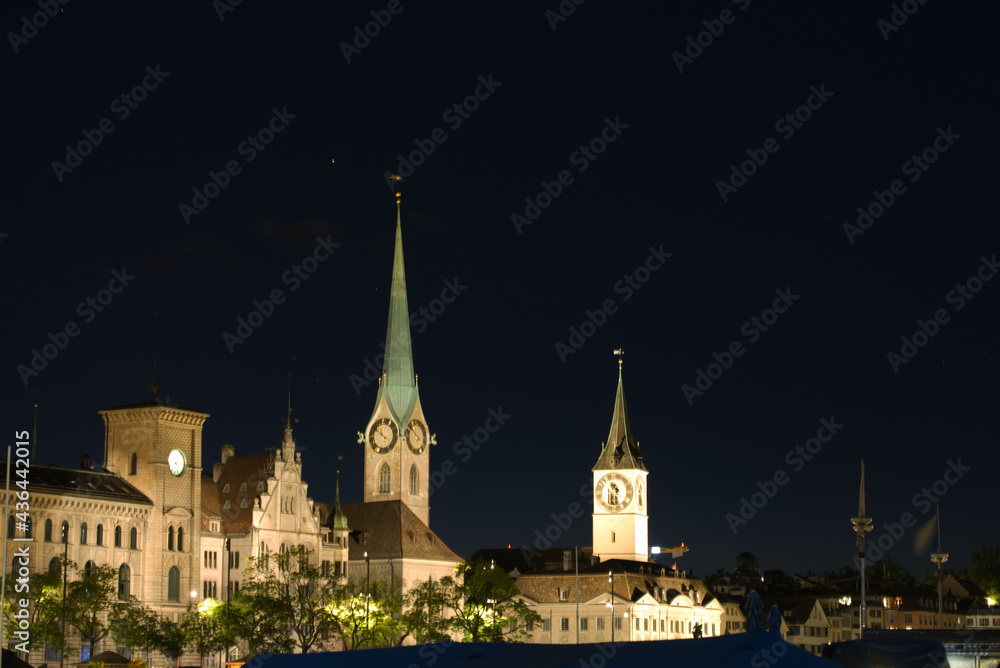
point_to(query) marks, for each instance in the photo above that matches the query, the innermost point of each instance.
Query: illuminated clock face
(613, 492)
(416, 436)
(383, 435)
(176, 462)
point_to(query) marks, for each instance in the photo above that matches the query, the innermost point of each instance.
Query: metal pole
(611, 579)
(65, 538)
(577, 557)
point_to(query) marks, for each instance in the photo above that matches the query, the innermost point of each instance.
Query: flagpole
(939, 558)
(862, 525)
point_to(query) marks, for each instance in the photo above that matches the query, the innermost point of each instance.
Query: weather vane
(397, 179)
(620, 353)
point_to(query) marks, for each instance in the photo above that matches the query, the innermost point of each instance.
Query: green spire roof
(620, 450)
(339, 518)
(398, 381)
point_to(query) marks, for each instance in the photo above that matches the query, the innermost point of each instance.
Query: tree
(887, 568)
(984, 570)
(259, 615)
(365, 614)
(134, 626)
(44, 612)
(204, 628)
(486, 605)
(89, 599)
(426, 604)
(170, 639)
(305, 592)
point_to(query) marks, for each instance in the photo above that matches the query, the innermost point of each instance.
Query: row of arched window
(385, 480)
(125, 579)
(85, 534)
(180, 538)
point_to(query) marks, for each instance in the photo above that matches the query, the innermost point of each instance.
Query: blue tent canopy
(758, 648)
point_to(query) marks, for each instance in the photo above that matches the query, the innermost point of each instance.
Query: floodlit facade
(621, 589)
(178, 532)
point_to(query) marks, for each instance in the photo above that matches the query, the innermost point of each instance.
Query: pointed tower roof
(339, 518)
(398, 379)
(620, 450)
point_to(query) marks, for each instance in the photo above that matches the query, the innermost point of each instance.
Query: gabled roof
(249, 469)
(629, 584)
(794, 610)
(620, 450)
(79, 482)
(390, 530)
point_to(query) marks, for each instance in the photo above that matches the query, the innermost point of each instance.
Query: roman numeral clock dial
(613, 492)
(383, 435)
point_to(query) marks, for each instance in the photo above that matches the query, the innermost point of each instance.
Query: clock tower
(396, 439)
(620, 494)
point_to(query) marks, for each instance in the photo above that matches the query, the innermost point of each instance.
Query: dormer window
(563, 594)
(243, 487)
(225, 488)
(227, 505)
(261, 487)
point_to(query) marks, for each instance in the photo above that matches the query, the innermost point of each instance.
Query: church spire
(398, 378)
(620, 451)
(339, 519)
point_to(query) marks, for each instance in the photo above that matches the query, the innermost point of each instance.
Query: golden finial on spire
(339, 458)
(621, 357)
(398, 179)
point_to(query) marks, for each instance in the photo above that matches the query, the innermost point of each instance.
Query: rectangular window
(583, 623)
(530, 626)
(663, 626)
(564, 626)
(645, 623)
(618, 623)
(51, 653)
(563, 594)
(600, 623)
(545, 625)
(326, 568)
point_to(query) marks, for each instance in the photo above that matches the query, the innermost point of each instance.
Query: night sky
(663, 229)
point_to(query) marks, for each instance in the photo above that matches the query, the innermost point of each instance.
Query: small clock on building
(176, 462)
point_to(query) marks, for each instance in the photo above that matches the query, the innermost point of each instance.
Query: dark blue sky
(634, 143)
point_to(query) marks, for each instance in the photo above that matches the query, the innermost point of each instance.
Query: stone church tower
(620, 493)
(396, 439)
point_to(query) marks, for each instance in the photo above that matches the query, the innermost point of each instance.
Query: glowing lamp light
(656, 550)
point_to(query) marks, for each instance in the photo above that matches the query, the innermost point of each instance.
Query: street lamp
(368, 590)
(612, 604)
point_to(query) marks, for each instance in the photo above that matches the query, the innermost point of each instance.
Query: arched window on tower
(64, 536)
(27, 527)
(54, 565)
(383, 479)
(639, 493)
(89, 568)
(413, 479)
(118, 536)
(10, 526)
(174, 585)
(83, 533)
(124, 582)
(612, 494)
(170, 538)
(48, 531)
(99, 535)
(133, 464)
(180, 539)
(133, 539)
